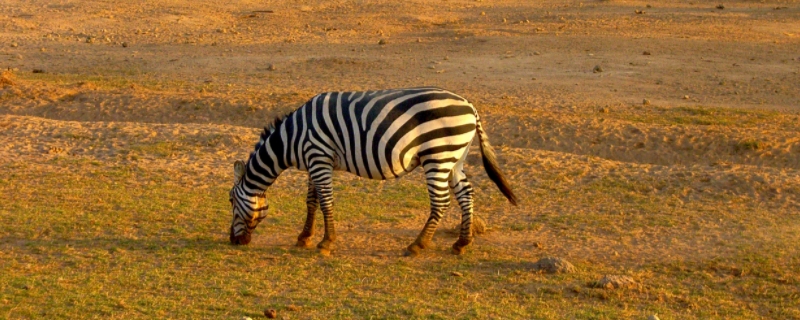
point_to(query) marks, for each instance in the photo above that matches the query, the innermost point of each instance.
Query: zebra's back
(385, 134)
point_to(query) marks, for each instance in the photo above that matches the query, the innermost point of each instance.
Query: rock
(89, 39)
(38, 71)
(456, 274)
(272, 67)
(646, 53)
(14, 45)
(639, 11)
(554, 265)
(720, 6)
(270, 313)
(615, 282)
(686, 97)
(382, 42)
(124, 44)
(478, 225)
(646, 102)
(603, 110)
(653, 317)
(597, 69)
(537, 53)
(7, 79)
(246, 318)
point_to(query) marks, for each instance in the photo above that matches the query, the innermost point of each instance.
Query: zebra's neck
(267, 162)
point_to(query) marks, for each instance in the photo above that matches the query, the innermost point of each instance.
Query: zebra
(374, 134)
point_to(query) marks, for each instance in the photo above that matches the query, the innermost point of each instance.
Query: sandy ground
(186, 84)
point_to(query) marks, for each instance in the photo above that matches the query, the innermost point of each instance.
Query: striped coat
(374, 134)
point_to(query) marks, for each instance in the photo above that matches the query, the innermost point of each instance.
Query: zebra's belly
(384, 172)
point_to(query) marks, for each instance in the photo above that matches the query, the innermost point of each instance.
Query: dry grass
(115, 161)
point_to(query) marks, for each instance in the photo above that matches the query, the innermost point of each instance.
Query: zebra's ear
(238, 171)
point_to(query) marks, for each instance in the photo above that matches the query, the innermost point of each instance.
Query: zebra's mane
(268, 130)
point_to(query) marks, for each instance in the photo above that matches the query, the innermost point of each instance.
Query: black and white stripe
(374, 134)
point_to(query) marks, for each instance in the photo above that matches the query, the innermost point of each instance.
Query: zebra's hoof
(304, 243)
(461, 245)
(325, 244)
(414, 249)
(410, 254)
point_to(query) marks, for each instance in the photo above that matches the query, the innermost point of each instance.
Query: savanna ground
(117, 152)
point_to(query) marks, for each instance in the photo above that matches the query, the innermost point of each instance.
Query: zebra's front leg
(440, 200)
(322, 177)
(304, 239)
(325, 196)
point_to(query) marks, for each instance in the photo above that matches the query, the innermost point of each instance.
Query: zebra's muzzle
(241, 239)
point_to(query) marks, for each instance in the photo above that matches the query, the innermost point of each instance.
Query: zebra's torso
(380, 134)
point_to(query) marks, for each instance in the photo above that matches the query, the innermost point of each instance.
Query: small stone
(483, 13)
(646, 53)
(270, 313)
(646, 102)
(456, 274)
(603, 110)
(639, 11)
(597, 69)
(89, 39)
(382, 42)
(38, 71)
(615, 282)
(653, 317)
(538, 245)
(124, 44)
(14, 45)
(720, 6)
(272, 67)
(246, 318)
(554, 265)
(537, 53)
(686, 97)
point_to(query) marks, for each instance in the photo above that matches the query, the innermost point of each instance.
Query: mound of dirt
(554, 265)
(615, 282)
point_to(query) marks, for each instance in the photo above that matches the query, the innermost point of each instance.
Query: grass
(122, 241)
(702, 116)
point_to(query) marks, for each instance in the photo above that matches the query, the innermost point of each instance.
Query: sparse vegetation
(677, 166)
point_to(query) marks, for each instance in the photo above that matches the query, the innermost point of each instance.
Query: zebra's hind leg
(304, 239)
(439, 194)
(463, 191)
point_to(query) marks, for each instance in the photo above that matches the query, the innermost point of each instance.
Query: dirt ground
(635, 132)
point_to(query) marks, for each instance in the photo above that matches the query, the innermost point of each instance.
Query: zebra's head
(248, 208)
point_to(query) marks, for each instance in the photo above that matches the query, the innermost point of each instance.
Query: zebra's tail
(490, 163)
